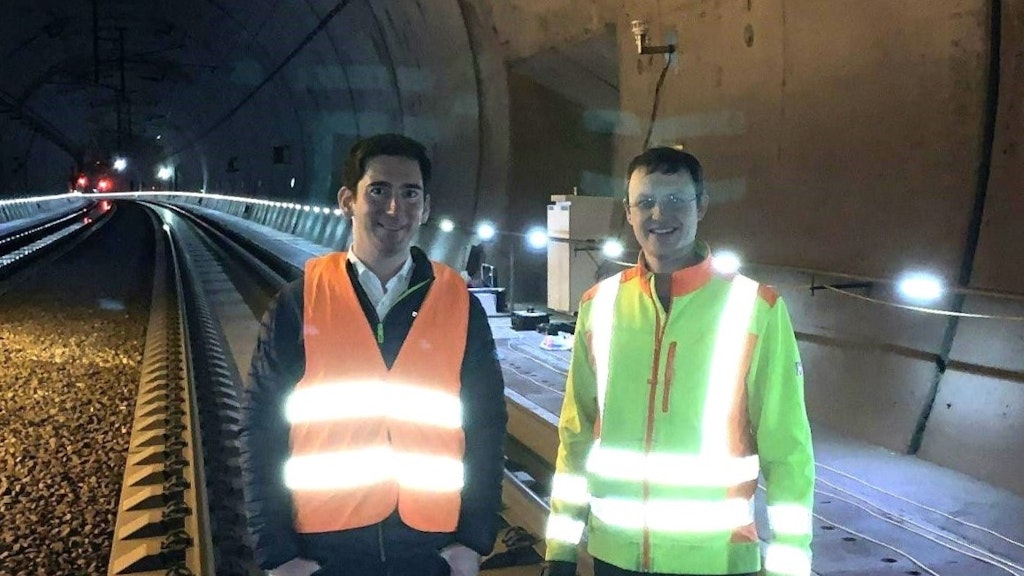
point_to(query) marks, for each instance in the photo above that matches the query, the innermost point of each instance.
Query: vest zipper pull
(380, 332)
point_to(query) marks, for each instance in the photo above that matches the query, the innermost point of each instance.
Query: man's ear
(346, 201)
(426, 209)
(703, 202)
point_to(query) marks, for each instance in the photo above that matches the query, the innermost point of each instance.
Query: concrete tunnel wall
(851, 138)
(848, 138)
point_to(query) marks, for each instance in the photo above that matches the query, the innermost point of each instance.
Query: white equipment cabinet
(577, 225)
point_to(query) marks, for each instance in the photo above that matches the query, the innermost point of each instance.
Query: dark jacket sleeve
(277, 365)
(484, 418)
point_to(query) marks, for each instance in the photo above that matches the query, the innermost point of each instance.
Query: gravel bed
(71, 342)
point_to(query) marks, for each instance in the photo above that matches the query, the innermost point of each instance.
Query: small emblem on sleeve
(799, 369)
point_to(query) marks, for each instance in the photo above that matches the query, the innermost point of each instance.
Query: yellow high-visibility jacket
(668, 420)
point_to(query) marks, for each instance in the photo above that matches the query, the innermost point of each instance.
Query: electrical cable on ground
(922, 506)
(992, 560)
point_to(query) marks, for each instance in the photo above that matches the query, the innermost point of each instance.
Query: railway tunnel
(845, 146)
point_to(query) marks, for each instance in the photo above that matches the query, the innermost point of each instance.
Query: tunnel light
(167, 227)
(486, 231)
(612, 248)
(120, 164)
(305, 208)
(164, 173)
(293, 182)
(337, 211)
(726, 262)
(537, 238)
(446, 225)
(316, 209)
(920, 287)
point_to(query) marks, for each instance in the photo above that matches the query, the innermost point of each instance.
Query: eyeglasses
(669, 203)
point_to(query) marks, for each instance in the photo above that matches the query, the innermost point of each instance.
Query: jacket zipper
(380, 340)
(659, 333)
(380, 321)
(670, 368)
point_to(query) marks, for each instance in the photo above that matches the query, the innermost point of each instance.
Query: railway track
(181, 512)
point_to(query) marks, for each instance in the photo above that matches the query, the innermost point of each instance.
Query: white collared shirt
(382, 296)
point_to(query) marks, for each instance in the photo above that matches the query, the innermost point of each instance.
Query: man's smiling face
(664, 210)
(387, 208)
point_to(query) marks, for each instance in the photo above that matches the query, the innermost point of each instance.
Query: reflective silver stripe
(789, 519)
(672, 469)
(730, 343)
(430, 473)
(339, 470)
(569, 488)
(602, 312)
(787, 560)
(564, 529)
(338, 401)
(369, 466)
(669, 515)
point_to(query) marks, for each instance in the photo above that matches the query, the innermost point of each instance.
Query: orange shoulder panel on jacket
(768, 294)
(626, 276)
(589, 294)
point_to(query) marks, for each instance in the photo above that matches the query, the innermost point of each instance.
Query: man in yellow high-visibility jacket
(685, 385)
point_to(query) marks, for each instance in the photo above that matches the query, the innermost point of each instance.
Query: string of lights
(911, 286)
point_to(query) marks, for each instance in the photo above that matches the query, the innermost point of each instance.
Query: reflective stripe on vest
(369, 466)
(674, 515)
(367, 440)
(722, 461)
(789, 519)
(373, 399)
(564, 528)
(786, 560)
(671, 469)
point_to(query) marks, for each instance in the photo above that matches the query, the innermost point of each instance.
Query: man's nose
(391, 204)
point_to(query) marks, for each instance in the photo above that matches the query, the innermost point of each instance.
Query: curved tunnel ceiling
(214, 87)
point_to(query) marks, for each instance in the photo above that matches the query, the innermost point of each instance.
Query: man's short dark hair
(668, 160)
(383, 145)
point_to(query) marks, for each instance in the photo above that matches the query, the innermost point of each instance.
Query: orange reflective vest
(367, 440)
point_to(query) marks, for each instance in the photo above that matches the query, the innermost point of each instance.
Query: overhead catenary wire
(847, 293)
(321, 25)
(923, 309)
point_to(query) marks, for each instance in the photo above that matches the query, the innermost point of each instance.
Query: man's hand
(463, 561)
(296, 567)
